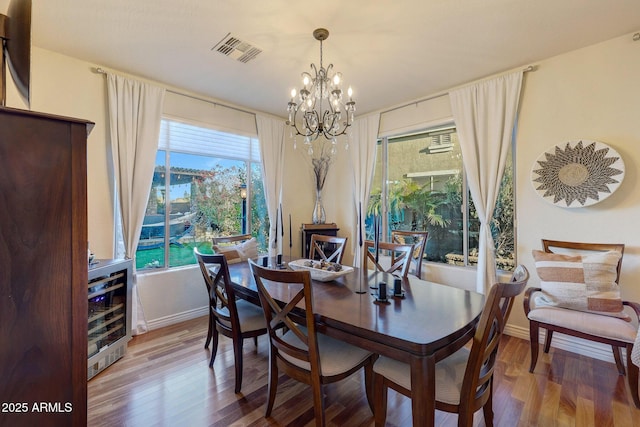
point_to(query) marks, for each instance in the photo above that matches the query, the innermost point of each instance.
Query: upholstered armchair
(579, 296)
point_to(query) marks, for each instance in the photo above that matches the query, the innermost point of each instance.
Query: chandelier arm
(308, 119)
(295, 126)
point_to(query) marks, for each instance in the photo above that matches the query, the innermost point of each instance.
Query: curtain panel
(135, 110)
(485, 115)
(271, 136)
(362, 157)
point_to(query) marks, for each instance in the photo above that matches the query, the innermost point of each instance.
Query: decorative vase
(319, 216)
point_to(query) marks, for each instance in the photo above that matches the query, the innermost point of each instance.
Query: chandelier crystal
(320, 108)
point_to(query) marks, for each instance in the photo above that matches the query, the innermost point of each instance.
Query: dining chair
(464, 376)
(399, 254)
(419, 241)
(579, 295)
(236, 248)
(301, 352)
(319, 244)
(234, 318)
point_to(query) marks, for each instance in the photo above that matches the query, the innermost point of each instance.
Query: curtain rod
(429, 98)
(102, 71)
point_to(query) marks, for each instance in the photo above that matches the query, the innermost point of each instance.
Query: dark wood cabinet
(329, 229)
(43, 269)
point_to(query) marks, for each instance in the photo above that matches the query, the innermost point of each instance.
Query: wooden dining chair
(235, 319)
(556, 306)
(319, 244)
(399, 254)
(302, 353)
(464, 376)
(419, 241)
(236, 248)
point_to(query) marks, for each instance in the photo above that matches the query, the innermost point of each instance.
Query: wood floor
(165, 380)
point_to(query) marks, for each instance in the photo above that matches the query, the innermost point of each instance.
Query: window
(206, 183)
(419, 185)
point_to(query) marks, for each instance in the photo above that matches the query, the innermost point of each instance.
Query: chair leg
(379, 400)
(368, 385)
(632, 377)
(318, 401)
(209, 331)
(534, 341)
(237, 355)
(255, 341)
(547, 341)
(273, 382)
(618, 359)
(214, 348)
(487, 409)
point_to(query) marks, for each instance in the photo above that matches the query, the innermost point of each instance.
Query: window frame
(466, 197)
(168, 150)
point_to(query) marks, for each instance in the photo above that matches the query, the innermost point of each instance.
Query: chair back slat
(318, 244)
(231, 239)
(419, 241)
(476, 386)
(293, 290)
(221, 294)
(400, 255)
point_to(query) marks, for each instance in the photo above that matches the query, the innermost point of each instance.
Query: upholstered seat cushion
(336, 357)
(589, 323)
(250, 316)
(449, 374)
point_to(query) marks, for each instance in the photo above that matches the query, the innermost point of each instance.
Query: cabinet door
(43, 259)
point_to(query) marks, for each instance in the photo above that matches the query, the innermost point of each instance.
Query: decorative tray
(317, 273)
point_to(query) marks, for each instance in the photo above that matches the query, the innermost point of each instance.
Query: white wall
(65, 86)
(590, 93)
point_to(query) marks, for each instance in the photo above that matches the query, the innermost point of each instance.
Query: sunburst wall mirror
(577, 174)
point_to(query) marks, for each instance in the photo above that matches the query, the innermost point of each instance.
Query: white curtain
(271, 136)
(135, 110)
(485, 115)
(362, 155)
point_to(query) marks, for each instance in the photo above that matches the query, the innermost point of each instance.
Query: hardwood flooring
(164, 380)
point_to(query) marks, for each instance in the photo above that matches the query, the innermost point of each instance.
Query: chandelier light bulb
(293, 94)
(305, 80)
(349, 92)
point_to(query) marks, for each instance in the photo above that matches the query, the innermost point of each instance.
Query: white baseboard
(177, 318)
(568, 343)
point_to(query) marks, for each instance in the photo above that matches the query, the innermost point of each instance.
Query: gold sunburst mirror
(577, 174)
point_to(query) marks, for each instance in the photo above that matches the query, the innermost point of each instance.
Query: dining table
(423, 322)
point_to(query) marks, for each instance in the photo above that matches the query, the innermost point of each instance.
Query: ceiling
(390, 52)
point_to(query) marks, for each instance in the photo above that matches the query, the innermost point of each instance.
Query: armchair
(579, 296)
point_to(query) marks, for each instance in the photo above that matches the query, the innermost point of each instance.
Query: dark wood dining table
(412, 329)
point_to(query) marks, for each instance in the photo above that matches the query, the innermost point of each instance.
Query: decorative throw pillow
(580, 282)
(239, 252)
(249, 249)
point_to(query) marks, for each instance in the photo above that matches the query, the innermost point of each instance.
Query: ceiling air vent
(237, 49)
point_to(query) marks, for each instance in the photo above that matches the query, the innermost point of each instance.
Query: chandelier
(320, 88)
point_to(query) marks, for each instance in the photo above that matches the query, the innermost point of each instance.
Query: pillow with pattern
(580, 282)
